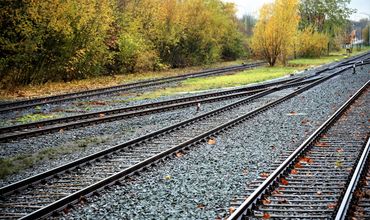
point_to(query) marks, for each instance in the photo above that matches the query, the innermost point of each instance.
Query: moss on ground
(13, 165)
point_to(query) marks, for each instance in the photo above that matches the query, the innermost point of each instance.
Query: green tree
(326, 16)
(365, 34)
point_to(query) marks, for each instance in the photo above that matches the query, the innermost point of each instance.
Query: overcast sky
(252, 6)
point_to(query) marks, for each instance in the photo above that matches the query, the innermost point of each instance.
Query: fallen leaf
(66, 210)
(266, 215)
(212, 141)
(319, 192)
(266, 201)
(305, 121)
(284, 181)
(82, 200)
(331, 205)
(61, 130)
(231, 210)
(167, 177)
(264, 175)
(321, 144)
(306, 160)
(283, 201)
(338, 164)
(101, 115)
(201, 206)
(179, 154)
(294, 171)
(298, 165)
(292, 113)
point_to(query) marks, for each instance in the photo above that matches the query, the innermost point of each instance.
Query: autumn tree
(62, 40)
(275, 31)
(311, 43)
(53, 39)
(325, 16)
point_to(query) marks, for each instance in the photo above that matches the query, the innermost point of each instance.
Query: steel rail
(78, 121)
(283, 168)
(117, 113)
(12, 106)
(348, 60)
(349, 194)
(36, 178)
(74, 197)
(251, 89)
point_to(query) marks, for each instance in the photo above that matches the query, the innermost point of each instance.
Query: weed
(34, 117)
(17, 163)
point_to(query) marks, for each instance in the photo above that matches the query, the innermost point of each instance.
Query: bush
(312, 43)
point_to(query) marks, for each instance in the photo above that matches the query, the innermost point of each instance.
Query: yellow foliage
(275, 31)
(312, 43)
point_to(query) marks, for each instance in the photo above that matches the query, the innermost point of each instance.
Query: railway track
(310, 182)
(56, 189)
(18, 105)
(24, 104)
(71, 122)
(356, 201)
(81, 120)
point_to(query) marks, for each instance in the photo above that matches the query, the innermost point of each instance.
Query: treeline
(305, 28)
(62, 40)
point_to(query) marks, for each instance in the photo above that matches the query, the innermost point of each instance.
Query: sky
(252, 7)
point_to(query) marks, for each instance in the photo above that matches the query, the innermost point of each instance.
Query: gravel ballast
(103, 136)
(201, 184)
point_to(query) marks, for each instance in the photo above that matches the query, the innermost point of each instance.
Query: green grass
(17, 163)
(238, 79)
(334, 56)
(35, 117)
(248, 76)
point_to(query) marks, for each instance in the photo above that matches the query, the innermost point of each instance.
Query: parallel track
(45, 193)
(81, 120)
(23, 104)
(310, 182)
(55, 125)
(356, 201)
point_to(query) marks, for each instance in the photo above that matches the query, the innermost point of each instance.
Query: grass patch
(238, 79)
(15, 164)
(334, 56)
(35, 117)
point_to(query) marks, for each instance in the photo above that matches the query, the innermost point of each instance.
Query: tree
(325, 16)
(311, 43)
(365, 34)
(275, 31)
(51, 39)
(248, 22)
